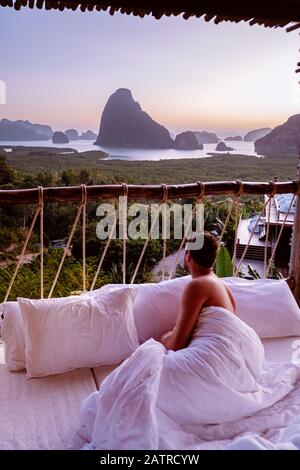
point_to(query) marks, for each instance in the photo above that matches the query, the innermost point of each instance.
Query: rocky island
(125, 124)
(222, 147)
(88, 135)
(72, 134)
(284, 138)
(252, 136)
(205, 137)
(187, 141)
(60, 138)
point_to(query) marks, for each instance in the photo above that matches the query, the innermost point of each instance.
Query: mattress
(44, 413)
(41, 413)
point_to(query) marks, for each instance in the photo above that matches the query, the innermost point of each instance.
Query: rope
(198, 201)
(107, 244)
(164, 199)
(251, 235)
(67, 247)
(226, 221)
(274, 189)
(279, 235)
(41, 206)
(36, 213)
(271, 196)
(84, 204)
(238, 195)
(125, 194)
(201, 190)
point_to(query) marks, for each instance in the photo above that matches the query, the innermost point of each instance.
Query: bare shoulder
(200, 282)
(195, 292)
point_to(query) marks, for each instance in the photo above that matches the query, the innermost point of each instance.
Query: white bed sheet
(276, 350)
(41, 413)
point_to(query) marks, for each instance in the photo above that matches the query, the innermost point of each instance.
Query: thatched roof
(272, 13)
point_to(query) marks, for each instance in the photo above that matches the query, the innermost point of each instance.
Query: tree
(6, 173)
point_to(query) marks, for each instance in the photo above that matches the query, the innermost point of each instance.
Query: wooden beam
(73, 194)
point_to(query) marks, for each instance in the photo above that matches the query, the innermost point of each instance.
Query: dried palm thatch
(270, 13)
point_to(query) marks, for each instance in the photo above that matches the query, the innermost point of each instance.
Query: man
(204, 290)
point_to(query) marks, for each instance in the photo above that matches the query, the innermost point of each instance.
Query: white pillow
(266, 305)
(12, 333)
(81, 332)
(156, 306)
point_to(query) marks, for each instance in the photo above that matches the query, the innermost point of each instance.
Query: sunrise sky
(60, 68)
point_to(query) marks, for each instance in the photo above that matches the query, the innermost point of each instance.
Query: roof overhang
(270, 13)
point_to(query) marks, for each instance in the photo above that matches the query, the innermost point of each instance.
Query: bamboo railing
(71, 194)
(84, 194)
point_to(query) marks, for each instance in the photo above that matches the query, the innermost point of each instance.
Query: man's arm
(193, 298)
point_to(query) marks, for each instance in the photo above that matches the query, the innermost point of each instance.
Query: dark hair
(205, 256)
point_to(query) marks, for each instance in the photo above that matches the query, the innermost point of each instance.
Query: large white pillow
(156, 306)
(12, 333)
(81, 332)
(266, 305)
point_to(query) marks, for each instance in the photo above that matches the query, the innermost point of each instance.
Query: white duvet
(219, 389)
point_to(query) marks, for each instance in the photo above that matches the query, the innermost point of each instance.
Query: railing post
(294, 266)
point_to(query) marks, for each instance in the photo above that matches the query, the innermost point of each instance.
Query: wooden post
(294, 267)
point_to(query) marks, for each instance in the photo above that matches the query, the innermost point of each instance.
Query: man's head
(204, 257)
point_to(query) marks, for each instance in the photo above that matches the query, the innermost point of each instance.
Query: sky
(59, 68)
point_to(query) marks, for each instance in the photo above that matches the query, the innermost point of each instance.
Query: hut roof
(270, 13)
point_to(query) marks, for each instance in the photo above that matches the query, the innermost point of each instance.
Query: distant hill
(204, 137)
(236, 138)
(41, 129)
(252, 136)
(72, 134)
(23, 131)
(88, 135)
(284, 138)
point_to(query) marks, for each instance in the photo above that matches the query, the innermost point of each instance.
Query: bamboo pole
(71, 194)
(294, 266)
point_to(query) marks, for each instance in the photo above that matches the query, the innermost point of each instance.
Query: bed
(44, 413)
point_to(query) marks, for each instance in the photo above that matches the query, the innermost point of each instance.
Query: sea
(240, 147)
